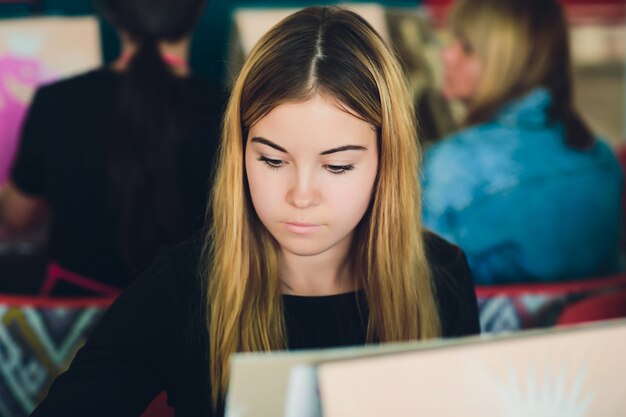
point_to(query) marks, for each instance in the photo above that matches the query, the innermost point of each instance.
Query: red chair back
(56, 274)
(159, 408)
(45, 333)
(525, 306)
(601, 307)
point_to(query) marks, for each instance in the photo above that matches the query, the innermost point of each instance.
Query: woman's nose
(304, 192)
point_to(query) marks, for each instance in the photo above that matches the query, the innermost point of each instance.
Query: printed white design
(545, 392)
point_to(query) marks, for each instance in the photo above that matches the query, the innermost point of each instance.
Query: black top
(62, 158)
(152, 337)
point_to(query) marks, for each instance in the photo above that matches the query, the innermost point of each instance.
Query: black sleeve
(127, 360)
(454, 288)
(27, 172)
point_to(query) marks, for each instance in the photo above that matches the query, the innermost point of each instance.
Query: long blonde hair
(331, 51)
(521, 44)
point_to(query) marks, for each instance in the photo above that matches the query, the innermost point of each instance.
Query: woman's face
(311, 169)
(462, 72)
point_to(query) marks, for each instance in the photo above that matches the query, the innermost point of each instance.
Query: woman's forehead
(321, 121)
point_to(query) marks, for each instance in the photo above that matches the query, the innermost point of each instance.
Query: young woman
(121, 155)
(525, 189)
(315, 241)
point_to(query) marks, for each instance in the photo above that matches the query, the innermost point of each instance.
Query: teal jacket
(524, 206)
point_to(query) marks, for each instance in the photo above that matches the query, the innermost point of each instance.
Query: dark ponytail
(149, 122)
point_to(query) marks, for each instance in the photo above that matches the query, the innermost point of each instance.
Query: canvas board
(574, 372)
(36, 51)
(252, 23)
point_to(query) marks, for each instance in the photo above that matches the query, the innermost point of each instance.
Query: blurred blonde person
(524, 188)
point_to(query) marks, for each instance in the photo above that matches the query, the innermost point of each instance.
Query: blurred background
(598, 36)
(45, 40)
(42, 41)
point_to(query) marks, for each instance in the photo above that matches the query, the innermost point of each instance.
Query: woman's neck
(323, 274)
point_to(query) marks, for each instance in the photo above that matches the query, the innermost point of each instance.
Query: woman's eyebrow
(344, 148)
(269, 143)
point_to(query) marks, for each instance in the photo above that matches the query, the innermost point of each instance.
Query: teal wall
(209, 47)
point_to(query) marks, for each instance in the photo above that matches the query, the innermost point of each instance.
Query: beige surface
(66, 45)
(252, 23)
(600, 93)
(567, 373)
(599, 55)
(259, 381)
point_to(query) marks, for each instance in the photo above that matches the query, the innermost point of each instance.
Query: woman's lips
(301, 228)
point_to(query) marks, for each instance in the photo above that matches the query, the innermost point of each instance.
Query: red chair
(524, 306)
(159, 407)
(57, 274)
(41, 337)
(600, 307)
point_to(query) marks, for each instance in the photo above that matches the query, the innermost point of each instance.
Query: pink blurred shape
(19, 78)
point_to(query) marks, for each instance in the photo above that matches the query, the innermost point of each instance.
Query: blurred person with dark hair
(120, 156)
(525, 188)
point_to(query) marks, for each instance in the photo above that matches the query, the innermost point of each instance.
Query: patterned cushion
(508, 308)
(507, 313)
(38, 340)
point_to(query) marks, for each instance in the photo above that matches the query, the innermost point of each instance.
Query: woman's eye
(271, 163)
(339, 169)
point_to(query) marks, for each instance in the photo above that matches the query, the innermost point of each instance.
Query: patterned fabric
(504, 313)
(509, 308)
(37, 343)
(523, 205)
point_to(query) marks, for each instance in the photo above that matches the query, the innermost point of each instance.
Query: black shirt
(62, 158)
(153, 338)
